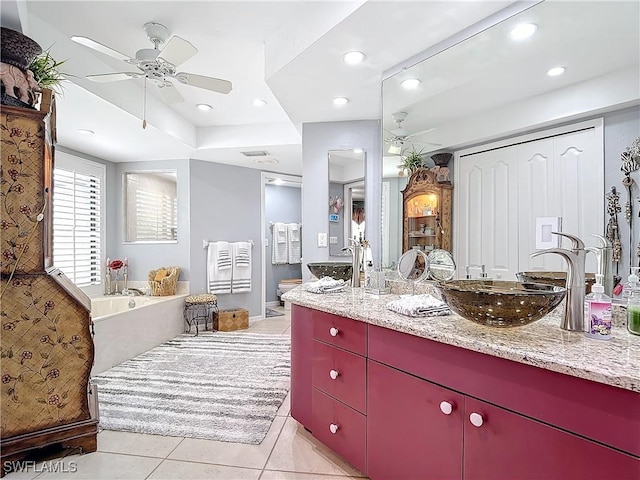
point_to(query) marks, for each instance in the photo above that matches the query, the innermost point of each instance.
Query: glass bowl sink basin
(501, 303)
(336, 270)
(554, 278)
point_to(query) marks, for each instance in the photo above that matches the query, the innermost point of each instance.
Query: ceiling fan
(158, 66)
(401, 136)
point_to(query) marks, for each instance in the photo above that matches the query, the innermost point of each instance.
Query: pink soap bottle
(597, 312)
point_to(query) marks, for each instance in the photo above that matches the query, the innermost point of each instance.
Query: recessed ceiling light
(357, 150)
(204, 107)
(85, 131)
(555, 71)
(340, 101)
(258, 102)
(353, 58)
(410, 83)
(522, 31)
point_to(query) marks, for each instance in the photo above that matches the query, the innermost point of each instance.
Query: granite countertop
(542, 344)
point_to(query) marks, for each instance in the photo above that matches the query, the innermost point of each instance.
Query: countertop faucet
(573, 319)
(604, 256)
(356, 259)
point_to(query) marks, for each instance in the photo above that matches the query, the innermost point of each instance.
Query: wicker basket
(163, 281)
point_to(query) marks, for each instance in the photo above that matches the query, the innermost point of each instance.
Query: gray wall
(317, 140)
(281, 204)
(144, 257)
(225, 205)
(336, 229)
(396, 185)
(621, 128)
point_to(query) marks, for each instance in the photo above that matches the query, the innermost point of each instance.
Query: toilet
(284, 286)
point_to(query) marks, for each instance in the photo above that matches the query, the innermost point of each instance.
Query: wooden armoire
(46, 343)
(426, 212)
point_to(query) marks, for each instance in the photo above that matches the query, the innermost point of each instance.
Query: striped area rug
(217, 386)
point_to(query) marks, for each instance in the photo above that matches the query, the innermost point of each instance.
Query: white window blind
(152, 207)
(77, 219)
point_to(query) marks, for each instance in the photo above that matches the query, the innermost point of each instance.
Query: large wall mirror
(346, 199)
(577, 71)
(151, 206)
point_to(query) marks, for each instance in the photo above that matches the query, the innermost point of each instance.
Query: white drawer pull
(333, 428)
(446, 408)
(476, 419)
(334, 331)
(334, 374)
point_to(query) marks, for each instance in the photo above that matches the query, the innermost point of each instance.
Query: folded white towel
(419, 306)
(218, 268)
(294, 246)
(324, 285)
(241, 278)
(279, 249)
(281, 230)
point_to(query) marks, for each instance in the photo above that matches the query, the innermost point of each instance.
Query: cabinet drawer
(349, 370)
(350, 427)
(341, 332)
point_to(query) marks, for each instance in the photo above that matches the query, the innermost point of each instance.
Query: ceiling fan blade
(421, 132)
(208, 83)
(177, 51)
(113, 77)
(169, 93)
(87, 42)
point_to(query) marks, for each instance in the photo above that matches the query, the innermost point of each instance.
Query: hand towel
(294, 244)
(279, 249)
(325, 285)
(419, 306)
(218, 268)
(241, 277)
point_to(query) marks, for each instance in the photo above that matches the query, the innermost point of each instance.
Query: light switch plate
(544, 237)
(322, 240)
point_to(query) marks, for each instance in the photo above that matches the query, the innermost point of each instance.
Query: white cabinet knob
(476, 419)
(334, 331)
(334, 374)
(446, 408)
(333, 428)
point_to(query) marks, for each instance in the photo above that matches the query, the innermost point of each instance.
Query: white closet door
(502, 188)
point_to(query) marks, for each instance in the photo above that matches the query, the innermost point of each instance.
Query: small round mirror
(413, 265)
(441, 265)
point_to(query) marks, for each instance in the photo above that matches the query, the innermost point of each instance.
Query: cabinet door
(408, 436)
(510, 446)
(301, 350)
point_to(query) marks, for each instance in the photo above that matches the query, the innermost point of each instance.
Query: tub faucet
(134, 292)
(356, 259)
(573, 318)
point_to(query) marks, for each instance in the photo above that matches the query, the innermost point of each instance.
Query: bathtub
(123, 331)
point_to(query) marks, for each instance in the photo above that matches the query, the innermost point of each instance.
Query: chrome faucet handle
(606, 243)
(576, 243)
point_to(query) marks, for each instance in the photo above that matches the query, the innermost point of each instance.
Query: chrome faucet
(604, 257)
(356, 259)
(135, 292)
(573, 318)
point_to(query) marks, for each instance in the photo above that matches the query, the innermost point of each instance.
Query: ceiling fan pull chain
(144, 105)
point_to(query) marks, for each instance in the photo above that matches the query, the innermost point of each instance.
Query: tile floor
(288, 452)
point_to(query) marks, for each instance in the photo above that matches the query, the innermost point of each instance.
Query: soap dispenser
(597, 311)
(632, 291)
(632, 284)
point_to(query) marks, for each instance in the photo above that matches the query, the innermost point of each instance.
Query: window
(151, 200)
(78, 215)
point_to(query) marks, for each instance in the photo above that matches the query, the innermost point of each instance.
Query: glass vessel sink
(554, 278)
(501, 303)
(337, 270)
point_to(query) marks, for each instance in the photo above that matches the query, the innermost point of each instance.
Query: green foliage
(46, 71)
(413, 161)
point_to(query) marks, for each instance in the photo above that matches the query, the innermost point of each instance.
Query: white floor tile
(137, 443)
(297, 451)
(173, 470)
(107, 466)
(285, 408)
(274, 475)
(226, 453)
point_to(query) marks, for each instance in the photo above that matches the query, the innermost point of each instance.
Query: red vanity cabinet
(301, 350)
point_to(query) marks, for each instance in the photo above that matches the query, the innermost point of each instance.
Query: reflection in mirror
(346, 199)
(441, 265)
(413, 265)
(151, 206)
(489, 89)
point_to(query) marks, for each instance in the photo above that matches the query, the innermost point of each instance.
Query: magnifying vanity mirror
(524, 144)
(151, 206)
(346, 199)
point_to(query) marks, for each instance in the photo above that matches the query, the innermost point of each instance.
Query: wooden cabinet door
(301, 351)
(509, 446)
(408, 436)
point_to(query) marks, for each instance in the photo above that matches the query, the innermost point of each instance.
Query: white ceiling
(288, 53)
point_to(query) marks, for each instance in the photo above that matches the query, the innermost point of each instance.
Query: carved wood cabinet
(426, 213)
(46, 345)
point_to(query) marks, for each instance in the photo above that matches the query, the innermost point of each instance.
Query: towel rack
(205, 243)
(271, 224)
